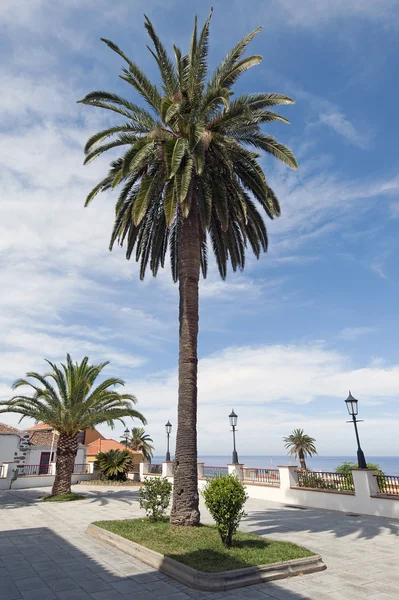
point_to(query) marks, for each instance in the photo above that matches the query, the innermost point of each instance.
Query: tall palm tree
(300, 445)
(69, 406)
(188, 177)
(140, 441)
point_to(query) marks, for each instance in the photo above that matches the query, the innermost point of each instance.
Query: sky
(282, 342)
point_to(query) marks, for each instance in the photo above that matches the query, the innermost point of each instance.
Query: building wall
(35, 454)
(91, 435)
(9, 444)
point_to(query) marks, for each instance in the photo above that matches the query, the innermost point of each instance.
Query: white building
(35, 448)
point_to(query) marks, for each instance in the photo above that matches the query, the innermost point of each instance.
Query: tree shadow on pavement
(39, 564)
(289, 519)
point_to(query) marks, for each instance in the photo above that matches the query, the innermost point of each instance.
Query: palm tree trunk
(301, 457)
(185, 510)
(67, 448)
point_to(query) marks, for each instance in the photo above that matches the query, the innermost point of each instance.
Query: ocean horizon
(388, 464)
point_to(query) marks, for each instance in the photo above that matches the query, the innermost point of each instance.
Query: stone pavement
(46, 555)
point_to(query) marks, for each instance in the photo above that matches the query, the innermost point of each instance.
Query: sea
(388, 464)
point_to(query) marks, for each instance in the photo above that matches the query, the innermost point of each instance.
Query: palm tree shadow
(287, 519)
(58, 564)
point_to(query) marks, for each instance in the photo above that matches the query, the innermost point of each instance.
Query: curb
(211, 582)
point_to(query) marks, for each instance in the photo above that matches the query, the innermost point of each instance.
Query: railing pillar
(143, 470)
(366, 484)
(236, 469)
(51, 468)
(10, 474)
(288, 476)
(200, 470)
(167, 468)
(90, 467)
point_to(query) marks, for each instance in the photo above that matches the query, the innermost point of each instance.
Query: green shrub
(154, 497)
(347, 467)
(224, 498)
(114, 464)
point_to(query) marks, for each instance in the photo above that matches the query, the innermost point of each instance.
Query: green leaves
(190, 149)
(179, 150)
(170, 202)
(66, 397)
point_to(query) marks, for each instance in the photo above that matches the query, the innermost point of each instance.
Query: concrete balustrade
(365, 499)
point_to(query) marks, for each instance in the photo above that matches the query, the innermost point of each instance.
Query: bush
(154, 497)
(114, 464)
(347, 468)
(224, 498)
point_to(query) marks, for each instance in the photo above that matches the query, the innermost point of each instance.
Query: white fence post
(143, 470)
(365, 483)
(288, 477)
(51, 469)
(236, 470)
(167, 468)
(200, 470)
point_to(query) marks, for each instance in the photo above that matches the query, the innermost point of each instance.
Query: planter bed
(196, 557)
(100, 482)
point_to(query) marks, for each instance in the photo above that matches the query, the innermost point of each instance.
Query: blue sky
(281, 343)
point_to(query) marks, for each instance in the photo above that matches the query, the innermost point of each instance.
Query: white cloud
(353, 333)
(312, 14)
(274, 389)
(341, 125)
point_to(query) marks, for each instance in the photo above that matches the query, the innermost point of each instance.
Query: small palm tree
(300, 445)
(140, 441)
(190, 177)
(69, 406)
(114, 464)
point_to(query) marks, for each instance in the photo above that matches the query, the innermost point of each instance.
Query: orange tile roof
(39, 426)
(105, 445)
(8, 429)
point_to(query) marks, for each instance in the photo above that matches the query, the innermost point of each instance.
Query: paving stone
(140, 596)
(127, 586)
(73, 595)
(65, 583)
(159, 588)
(92, 586)
(108, 595)
(31, 583)
(39, 594)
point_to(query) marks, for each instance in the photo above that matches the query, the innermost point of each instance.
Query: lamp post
(351, 405)
(126, 436)
(233, 422)
(168, 428)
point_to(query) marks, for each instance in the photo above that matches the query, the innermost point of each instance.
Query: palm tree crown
(73, 403)
(66, 399)
(140, 441)
(300, 445)
(190, 148)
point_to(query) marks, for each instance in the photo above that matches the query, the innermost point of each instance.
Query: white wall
(9, 444)
(36, 451)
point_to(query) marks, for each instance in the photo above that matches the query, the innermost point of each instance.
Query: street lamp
(233, 422)
(351, 405)
(168, 428)
(126, 434)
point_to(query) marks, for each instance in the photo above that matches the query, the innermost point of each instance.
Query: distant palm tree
(190, 177)
(300, 445)
(140, 441)
(70, 406)
(114, 464)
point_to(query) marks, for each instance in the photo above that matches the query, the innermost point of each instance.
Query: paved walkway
(46, 555)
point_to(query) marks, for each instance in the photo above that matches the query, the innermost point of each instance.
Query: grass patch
(201, 547)
(63, 498)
